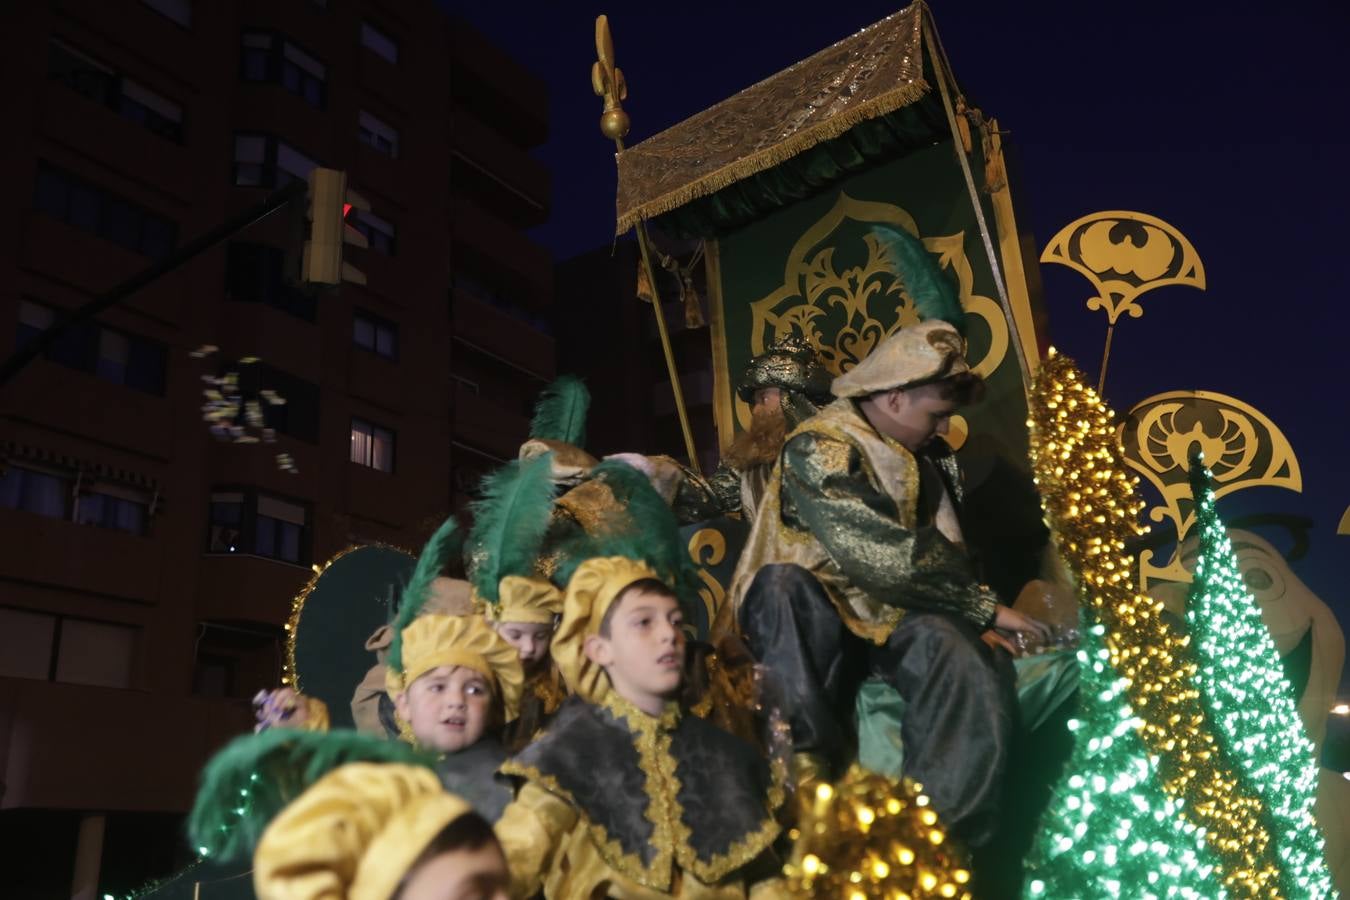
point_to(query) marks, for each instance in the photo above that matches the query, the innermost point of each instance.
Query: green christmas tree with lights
(1247, 695)
(1110, 830)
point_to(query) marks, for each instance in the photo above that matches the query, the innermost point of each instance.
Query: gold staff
(607, 80)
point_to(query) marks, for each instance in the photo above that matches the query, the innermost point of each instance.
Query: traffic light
(330, 201)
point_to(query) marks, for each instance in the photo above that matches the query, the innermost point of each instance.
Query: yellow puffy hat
(590, 593)
(432, 641)
(525, 599)
(927, 351)
(354, 833)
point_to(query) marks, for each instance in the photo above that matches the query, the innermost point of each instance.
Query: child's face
(644, 653)
(530, 640)
(462, 874)
(448, 708)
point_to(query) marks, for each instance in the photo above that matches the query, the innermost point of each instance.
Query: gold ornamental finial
(607, 82)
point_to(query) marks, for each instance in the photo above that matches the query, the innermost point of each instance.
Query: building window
(78, 203)
(372, 446)
(261, 160)
(378, 232)
(267, 56)
(31, 490)
(247, 522)
(101, 84)
(179, 11)
(115, 508)
(379, 43)
(298, 417)
(256, 273)
(90, 347)
(377, 134)
(377, 335)
(61, 648)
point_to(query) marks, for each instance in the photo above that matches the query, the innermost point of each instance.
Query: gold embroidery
(670, 834)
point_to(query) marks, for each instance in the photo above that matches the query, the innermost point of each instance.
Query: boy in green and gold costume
(856, 565)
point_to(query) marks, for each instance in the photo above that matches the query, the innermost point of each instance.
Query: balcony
(496, 87)
(240, 588)
(150, 747)
(484, 243)
(480, 423)
(497, 173)
(78, 122)
(86, 405)
(82, 558)
(502, 335)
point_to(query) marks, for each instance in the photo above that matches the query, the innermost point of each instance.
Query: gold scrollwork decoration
(707, 548)
(1124, 254)
(1241, 445)
(1344, 526)
(844, 311)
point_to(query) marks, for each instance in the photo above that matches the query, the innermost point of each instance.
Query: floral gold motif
(845, 310)
(1241, 445)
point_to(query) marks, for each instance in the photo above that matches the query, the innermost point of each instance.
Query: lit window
(377, 134)
(379, 43)
(372, 446)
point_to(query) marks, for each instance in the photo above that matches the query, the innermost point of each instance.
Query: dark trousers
(960, 696)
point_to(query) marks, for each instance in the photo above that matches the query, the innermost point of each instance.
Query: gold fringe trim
(740, 169)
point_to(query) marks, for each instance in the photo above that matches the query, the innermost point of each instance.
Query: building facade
(150, 565)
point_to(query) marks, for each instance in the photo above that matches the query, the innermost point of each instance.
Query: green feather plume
(246, 784)
(509, 523)
(560, 413)
(435, 555)
(934, 295)
(646, 530)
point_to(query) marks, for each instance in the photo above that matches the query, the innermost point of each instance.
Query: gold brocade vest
(892, 469)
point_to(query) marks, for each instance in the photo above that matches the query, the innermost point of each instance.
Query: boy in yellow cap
(455, 684)
(378, 831)
(510, 587)
(624, 794)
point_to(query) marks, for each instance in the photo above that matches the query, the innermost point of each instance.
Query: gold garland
(869, 836)
(1091, 505)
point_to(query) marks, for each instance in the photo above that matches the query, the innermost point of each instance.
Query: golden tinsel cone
(869, 837)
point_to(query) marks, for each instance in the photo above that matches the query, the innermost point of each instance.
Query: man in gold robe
(856, 566)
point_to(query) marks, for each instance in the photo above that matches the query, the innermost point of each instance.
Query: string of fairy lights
(1250, 700)
(1090, 503)
(1109, 829)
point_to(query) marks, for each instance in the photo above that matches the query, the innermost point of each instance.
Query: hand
(1008, 619)
(283, 708)
(996, 640)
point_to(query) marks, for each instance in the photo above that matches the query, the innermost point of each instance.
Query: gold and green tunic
(621, 804)
(844, 503)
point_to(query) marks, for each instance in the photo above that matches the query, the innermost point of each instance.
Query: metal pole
(607, 81)
(44, 341)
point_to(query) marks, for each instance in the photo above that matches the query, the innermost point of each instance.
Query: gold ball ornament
(869, 837)
(614, 124)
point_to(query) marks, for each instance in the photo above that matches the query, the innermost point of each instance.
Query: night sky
(1225, 119)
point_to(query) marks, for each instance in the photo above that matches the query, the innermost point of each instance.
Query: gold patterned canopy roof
(872, 73)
